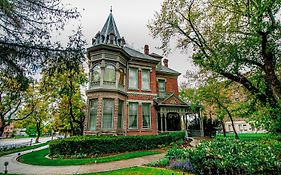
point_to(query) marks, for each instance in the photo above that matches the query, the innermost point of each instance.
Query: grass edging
(38, 158)
(139, 170)
(3, 153)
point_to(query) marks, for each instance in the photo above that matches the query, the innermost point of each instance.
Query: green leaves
(226, 155)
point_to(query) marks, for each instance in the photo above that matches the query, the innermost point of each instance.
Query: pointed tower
(109, 34)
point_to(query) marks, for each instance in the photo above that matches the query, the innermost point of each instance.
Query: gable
(174, 100)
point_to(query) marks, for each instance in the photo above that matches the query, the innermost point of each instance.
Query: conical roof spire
(109, 33)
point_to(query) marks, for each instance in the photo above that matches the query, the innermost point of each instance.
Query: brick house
(130, 93)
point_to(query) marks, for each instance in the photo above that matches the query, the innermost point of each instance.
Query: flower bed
(227, 157)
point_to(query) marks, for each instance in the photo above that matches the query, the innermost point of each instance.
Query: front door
(173, 122)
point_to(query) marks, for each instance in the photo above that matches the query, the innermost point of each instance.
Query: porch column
(201, 124)
(162, 124)
(165, 117)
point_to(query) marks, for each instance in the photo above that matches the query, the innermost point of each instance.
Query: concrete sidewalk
(20, 168)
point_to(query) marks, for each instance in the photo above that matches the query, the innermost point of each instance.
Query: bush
(159, 163)
(249, 157)
(99, 145)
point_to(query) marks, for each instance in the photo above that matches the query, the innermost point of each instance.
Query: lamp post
(6, 167)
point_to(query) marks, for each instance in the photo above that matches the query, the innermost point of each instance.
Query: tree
(11, 92)
(37, 105)
(214, 95)
(26, 46)
(236, 39)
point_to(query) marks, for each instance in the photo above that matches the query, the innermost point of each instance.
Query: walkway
(20, 168)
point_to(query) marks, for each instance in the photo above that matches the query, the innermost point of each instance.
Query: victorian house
(130, 92)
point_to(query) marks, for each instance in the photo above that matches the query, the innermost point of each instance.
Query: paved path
(20, 168)
(23, 140)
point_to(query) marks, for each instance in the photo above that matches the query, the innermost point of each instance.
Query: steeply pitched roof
(138, 55)
(110, 27)
(166, 70)
(109, 34)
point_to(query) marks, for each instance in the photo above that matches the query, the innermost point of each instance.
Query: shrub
(249, 157)
(160, 163)
(99, 145)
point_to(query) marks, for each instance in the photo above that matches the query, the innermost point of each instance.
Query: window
(96, 71)
(121, 79)
(107, 118)
(133, 115)
(93, 114)
(120, 115)
(133, 82)
(146, 79)
(161, 88)
(109, 74)
(146, 115)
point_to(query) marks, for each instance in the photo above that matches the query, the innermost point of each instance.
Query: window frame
(122, 114)
(90, 116)
(104, 76)
(137, 79)
(149, 109)
(160, 93)
(137, 114)
(91, 72)
(112, 114)
(149, 79)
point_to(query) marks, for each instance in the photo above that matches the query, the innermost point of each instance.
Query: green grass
(249, 136)
(38, 158)
(14, 150)
(139, 171)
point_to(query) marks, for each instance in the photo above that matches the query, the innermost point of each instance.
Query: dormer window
(111, 38)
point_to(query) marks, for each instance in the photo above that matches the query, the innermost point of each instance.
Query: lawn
(38, 158)
(14, 150)
(140, 171)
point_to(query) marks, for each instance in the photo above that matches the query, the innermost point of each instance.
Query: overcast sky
(131, 17)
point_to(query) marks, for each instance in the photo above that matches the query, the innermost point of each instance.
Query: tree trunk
(232, 123)
(2, 130)
(223, 128)
(38, 126)
(230, 117)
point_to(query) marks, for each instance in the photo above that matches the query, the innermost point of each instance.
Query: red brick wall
(171, 84)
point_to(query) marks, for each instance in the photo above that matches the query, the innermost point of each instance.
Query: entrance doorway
(173, 122)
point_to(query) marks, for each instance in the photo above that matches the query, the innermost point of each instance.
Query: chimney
(146, 49)
(165, 61)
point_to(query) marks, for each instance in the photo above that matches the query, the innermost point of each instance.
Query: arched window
(109, 73)
(121, 79)
(96, 72)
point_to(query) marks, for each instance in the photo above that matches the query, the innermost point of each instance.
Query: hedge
(228, 156)
(99, 145)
